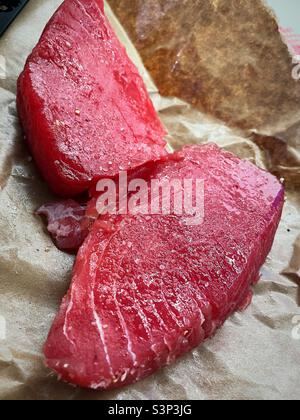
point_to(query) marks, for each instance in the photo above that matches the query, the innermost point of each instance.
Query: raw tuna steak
(84, 108)
(147, 289)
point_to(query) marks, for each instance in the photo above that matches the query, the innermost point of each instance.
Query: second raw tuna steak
(84, 108)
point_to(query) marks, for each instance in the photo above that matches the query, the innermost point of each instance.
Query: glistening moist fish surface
(148, 288)
(83, 106)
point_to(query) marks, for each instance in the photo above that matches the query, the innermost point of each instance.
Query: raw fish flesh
(67, 223)
(148, 288)
(83, 106)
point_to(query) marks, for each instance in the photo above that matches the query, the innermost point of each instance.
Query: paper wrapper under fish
(227, 59)
(256, 354)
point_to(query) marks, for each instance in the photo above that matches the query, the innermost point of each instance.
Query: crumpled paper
(256, 354)
(227, 59)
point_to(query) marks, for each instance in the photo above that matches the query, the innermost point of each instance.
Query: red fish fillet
(147, 289)
(83, 106)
